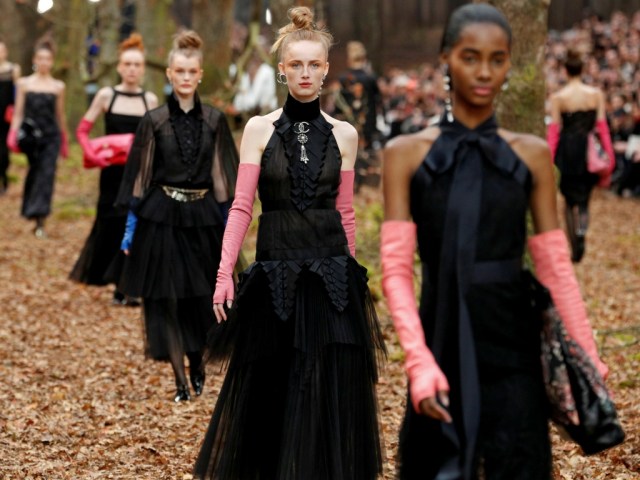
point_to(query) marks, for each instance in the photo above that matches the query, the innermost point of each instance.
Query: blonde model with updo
(177, 184)
(123, 106)
(299, 332)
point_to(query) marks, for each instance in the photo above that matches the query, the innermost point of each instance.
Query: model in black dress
(9, 74)
(123, 107)
(576, 111)
(298, 400)
(179, 175)
(40, 98)
(476, 406)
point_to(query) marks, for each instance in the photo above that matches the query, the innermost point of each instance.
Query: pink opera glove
(344, 204)
(240, 215)
(553, 137)
(397, 248)
(12, 141)
(82, 134)
(550, 253)
(602, 128)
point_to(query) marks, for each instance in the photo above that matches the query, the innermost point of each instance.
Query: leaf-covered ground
(78, 400)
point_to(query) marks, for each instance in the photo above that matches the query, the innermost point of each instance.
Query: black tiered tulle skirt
(103, 243)
(172, 266)
(298, 401)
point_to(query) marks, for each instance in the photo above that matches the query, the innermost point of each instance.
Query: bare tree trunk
(21, 27)
(156, 25)
(522, 105)
(70, 30)
(213, 20)
(109, 20)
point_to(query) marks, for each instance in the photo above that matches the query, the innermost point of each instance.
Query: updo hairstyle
(573, 63)
(300, 28)
(187, 43)
(133, 42)
(469, 14)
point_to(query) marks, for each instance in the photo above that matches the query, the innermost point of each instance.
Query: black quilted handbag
(579, 401)
(29, 136)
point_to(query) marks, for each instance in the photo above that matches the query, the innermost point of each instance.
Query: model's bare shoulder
(406, 152)
(532, 150)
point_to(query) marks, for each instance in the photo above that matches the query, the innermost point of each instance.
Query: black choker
(298, 111)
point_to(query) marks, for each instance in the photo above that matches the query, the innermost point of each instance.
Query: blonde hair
(301, 28)
(132, 42)
(187, 43)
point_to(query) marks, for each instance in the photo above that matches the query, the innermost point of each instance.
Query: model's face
(305, 65)
(184, 74)
(43, 61)
(131, 66)
(478, 65)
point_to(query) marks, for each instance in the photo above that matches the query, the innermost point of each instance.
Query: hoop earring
(321, 84)
(281, 78)
(34, 67)
(447, 98)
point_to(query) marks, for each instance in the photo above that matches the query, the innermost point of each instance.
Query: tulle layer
(101, 247)
(169, 262)
(175, 327)
(298, 401)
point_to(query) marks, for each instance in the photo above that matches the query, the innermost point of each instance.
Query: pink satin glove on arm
(550, 253)
(397, 249)
(12, 141)
(240, 215)
(553, 137)
(344, 205)
(82, 134)
(602, 128)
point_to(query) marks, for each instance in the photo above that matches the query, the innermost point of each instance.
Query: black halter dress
(469, 199)
(298, 401)
(103, 243)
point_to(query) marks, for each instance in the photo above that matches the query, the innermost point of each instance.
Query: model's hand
(436, 407)
(223, 294)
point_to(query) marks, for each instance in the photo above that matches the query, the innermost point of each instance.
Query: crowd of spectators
(412, 99)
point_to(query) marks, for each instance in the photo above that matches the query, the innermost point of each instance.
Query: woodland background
(78, 400)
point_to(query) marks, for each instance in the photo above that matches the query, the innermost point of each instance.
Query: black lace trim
(304, 176)
(283, 277)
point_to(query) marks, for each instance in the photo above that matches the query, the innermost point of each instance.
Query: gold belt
(184, 194)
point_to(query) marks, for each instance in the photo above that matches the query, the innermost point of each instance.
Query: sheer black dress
(169, 182)
(298, 401)
(38, 187)
(103, 243)
(469, 199)
(6, 98)
(576, 182)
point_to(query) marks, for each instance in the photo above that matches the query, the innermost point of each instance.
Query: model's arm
(428, 386)
(550, 251)
(62, 120)
(18, 116)
(241, 211)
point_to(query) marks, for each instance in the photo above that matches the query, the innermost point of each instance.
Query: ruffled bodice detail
(300, 229)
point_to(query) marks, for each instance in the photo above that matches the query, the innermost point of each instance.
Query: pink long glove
(602, 128)
(64, 145)
(82, 134)
(397, 248)
(344, 204)
(553, 137)
(240, 215)
(550, 253)
(12, 141)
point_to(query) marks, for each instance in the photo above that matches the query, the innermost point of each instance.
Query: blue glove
(129, 229)
(224, 210)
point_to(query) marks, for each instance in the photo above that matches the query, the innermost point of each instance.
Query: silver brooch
(301, 129)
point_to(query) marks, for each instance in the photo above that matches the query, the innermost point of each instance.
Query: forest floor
(78, 399)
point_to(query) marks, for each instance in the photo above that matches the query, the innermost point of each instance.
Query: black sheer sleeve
(139, 167)
(225, 159)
